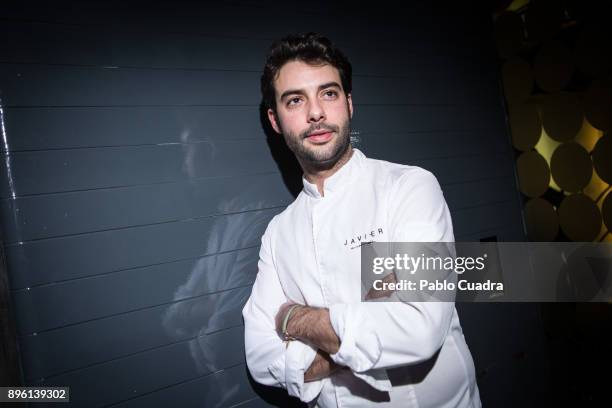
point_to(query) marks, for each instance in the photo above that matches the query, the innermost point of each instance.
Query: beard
(322, 156)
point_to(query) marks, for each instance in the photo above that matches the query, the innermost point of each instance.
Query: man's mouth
(320, 137)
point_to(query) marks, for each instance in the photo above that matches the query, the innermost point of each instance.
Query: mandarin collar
(337, 180)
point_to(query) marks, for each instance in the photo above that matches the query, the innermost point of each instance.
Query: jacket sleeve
(270, 360)
(379, 335)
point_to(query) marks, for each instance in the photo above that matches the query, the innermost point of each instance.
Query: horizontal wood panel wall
(137, 178)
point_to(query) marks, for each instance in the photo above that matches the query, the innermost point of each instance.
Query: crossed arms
(312, 325)
(365, 337)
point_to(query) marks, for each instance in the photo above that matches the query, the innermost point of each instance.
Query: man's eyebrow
(301, 91)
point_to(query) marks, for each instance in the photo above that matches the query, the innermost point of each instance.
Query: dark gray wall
(138, 180)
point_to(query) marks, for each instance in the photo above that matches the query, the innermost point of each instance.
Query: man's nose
(315, 112)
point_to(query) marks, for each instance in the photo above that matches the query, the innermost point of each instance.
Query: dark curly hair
(311, 48)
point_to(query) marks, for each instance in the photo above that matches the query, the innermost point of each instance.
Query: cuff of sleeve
(294, 362)
(358, 352)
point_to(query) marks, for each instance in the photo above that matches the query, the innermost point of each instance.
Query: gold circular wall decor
(606, 211)
(571, 167)
(598, 104)
(579, 218)
(509, 34)
(541, 220)
(525, 126)
(561, 116)
(602, 158)
(553, 66)
(518, 80)
(533, 174)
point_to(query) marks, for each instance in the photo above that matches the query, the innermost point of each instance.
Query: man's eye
(293, 101)
(331, 94)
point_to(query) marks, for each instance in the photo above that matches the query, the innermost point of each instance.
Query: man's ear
(273, 121)
(350, 104)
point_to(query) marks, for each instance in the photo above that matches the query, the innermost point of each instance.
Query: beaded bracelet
(287, 336)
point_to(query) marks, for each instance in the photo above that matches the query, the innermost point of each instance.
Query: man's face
(312, 112)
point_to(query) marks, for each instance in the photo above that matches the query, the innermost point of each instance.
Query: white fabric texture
(397, 354)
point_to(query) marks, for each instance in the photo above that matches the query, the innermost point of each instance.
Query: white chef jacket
(396, 354)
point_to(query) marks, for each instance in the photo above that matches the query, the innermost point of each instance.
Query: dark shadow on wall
(277, 397)
(292, 177)
(285, 159)
(10, 364)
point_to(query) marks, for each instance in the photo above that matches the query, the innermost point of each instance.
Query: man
(306, 329)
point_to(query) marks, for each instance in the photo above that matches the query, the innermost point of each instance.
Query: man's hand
(377, 294)
(322, 366)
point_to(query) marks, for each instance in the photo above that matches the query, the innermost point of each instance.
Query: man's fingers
(376, 294)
